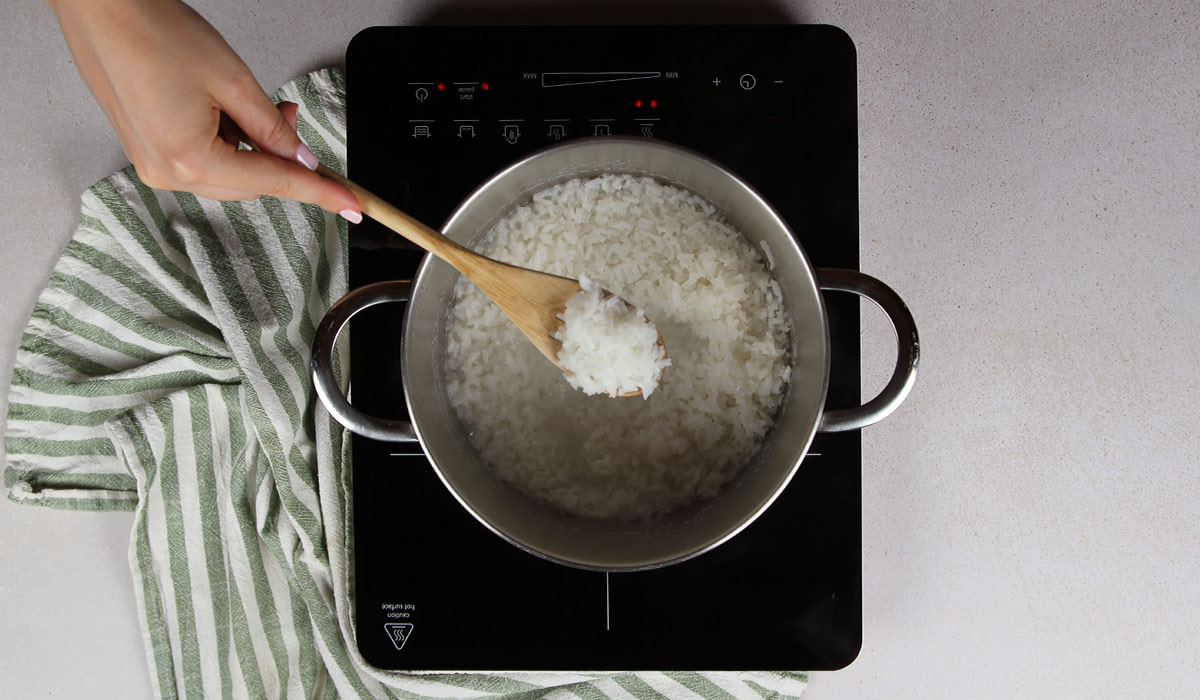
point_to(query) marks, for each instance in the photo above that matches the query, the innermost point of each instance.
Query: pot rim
(429, 260)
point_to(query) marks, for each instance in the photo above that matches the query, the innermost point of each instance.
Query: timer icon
(747, 82)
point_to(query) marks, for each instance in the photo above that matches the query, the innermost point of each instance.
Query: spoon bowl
(533, 300)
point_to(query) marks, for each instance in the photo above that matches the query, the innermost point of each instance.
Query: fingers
(263, 173)
(272, 172)
(250, 108)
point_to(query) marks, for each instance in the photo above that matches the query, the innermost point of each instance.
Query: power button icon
(747, 82)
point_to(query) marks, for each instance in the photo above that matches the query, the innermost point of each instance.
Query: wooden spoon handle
(377, 208)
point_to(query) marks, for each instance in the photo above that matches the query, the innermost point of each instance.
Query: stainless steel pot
(595, 544)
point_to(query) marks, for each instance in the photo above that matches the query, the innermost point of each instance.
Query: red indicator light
(441, 86)
(653, 104)
(637, 103)
(484, 86)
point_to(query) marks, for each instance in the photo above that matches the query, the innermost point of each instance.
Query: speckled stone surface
(1030, 174)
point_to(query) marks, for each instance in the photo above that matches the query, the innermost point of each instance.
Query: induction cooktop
(432, 113)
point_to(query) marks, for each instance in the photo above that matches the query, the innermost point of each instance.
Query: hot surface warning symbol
(398, 632)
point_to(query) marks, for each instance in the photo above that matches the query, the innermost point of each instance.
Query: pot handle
(909, 350)
(322, 362)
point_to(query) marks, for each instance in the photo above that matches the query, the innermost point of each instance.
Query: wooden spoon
(532, 299)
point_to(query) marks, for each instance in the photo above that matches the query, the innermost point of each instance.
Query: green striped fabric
(164, 371)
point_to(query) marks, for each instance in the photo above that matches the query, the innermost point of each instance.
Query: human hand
(180, 100)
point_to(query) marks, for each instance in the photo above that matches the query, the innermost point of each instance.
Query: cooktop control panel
(540, 107)
(473, 104)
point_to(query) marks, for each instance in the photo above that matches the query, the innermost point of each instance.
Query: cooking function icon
(557, 132)
(512, 133)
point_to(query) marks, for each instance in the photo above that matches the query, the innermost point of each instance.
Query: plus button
(717, 82)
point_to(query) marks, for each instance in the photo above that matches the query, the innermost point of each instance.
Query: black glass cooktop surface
(433, 112)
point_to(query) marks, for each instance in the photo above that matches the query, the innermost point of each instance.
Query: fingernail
(351, 216)
(306, 158)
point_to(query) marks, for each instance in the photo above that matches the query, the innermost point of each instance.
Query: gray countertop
(1030, 175)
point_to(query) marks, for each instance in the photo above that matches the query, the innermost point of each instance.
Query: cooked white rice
(720, 314)
(608, 346)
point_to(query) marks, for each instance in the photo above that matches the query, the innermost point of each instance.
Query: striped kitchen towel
(165, 371)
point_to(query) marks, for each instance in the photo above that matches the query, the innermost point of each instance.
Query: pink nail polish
(305, 157)
(351, 216)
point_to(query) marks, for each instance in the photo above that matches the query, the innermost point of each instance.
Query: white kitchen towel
(165, 371)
